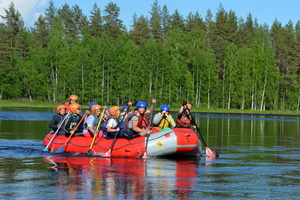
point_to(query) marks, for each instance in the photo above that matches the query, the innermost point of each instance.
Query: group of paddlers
(116, 122)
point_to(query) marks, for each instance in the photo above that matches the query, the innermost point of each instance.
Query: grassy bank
(35, 104)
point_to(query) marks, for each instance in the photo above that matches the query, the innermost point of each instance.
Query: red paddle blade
(210, 153)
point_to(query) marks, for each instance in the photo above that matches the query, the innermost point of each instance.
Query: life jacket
(67, 105)
(129, 133)
(95, 123)
(183, 122)
(74, 121)
(146, 121)
(110, 135)
(61, 117)
(165, 122)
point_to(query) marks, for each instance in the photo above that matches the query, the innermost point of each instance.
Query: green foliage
(218, 62)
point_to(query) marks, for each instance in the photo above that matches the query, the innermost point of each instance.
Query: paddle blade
(60, 150)
(90, 152)
(210, 153)
(45, 149)
(145, 155)
(108, 154)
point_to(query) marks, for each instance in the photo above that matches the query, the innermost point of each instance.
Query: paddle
(95, 135)
(61, 149)
(46, 148)
(152, 109)
(209, 152)
(108, 153)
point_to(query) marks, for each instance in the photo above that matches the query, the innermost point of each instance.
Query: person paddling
(163, 119)
(113, 123)
(134, 123)
(72, 99)
(58, 119)
(73, 120)
(125, 112)
(91, 122)
(185, 119)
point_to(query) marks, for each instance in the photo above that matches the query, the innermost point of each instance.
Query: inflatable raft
(177, 141)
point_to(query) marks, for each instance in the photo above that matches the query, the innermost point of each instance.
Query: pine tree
(51, 15)
(41, 32)
(13, 24)
(166, 19)
(113, 26)
(155, 21)
(140, 32)
(95, 26)
(177, 21)
(194, 21)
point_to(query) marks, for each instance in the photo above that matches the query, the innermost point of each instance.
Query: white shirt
(112, 123)
(89, 122)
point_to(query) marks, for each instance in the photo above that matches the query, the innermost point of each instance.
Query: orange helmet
(95, 107)
(73, 97)
(113, 110)
(189, 106)
(60, 107)
(74, 107)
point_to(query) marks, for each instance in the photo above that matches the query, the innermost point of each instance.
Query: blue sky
(266, 11)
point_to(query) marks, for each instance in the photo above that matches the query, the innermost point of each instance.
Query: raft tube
(177, 141)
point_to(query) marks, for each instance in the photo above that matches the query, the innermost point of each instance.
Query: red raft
(177, 141)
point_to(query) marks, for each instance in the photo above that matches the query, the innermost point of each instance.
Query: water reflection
(123, 178)
(259, 159)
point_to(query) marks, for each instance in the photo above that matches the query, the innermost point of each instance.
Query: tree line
(220, 61)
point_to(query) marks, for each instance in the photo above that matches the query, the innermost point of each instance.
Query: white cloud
(29, 9)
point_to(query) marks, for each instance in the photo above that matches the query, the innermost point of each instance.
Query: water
(259, 159)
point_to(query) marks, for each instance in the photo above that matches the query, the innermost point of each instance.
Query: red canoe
(177, 141)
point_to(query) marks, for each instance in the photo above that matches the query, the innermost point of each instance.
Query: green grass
(25, 103)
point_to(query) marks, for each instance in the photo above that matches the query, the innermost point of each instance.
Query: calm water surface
(259, 159)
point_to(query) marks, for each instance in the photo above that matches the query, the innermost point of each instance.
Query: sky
(265, 11)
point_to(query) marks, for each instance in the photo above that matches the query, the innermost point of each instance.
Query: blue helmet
(91, 104)
(123, 108)
(165, 108)
(141, 104)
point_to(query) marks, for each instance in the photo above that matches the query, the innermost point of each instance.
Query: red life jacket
(183, 122)
(129, 132)
(67, 105)
(141, 119)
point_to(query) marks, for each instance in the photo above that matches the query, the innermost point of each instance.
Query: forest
(216, 61)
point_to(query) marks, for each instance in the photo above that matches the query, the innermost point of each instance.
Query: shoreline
(27, 104)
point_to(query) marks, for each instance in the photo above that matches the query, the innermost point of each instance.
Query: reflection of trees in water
(123, 178)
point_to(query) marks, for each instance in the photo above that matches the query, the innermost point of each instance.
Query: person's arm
(110, 124)
(180, 112)
(193, 122)
(89, 123)
(143, 132)
(54, 123)
(171, 121)
(157, 119)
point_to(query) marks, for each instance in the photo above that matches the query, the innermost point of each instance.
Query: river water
(259, 159)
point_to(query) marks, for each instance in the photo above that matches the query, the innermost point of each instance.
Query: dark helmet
(165, 108)
(141, 104)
